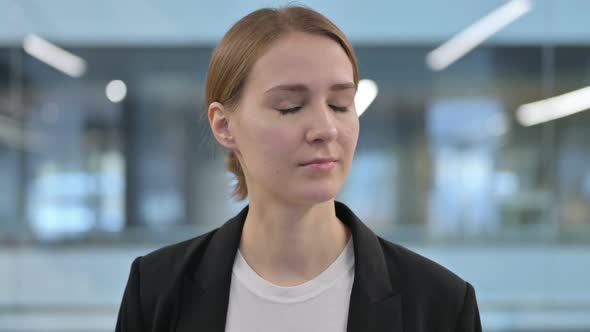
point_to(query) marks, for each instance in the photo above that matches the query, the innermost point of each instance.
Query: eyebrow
(304, 88)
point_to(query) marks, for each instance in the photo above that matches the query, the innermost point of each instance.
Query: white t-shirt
(320, 304)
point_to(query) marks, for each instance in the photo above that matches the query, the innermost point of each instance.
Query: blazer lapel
(375, 302)
(383, 315)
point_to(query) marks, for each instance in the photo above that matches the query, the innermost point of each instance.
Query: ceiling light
(554, 108)
(116, 91)
(54, 56)
(366, 92)
(477, 33)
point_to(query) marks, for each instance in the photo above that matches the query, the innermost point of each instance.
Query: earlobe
(219, 122)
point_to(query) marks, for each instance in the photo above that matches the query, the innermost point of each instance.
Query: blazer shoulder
(422, 275)
(431, 290)
(172, 258)
(154, 276)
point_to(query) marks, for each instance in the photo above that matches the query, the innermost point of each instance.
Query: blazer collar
(375, 303)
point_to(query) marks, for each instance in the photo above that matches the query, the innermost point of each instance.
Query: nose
(322, 125)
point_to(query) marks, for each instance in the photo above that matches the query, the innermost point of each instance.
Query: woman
(280, 91)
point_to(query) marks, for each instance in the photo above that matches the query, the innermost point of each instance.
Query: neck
(289, 246)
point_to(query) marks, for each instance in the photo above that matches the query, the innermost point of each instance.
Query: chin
(315, 197)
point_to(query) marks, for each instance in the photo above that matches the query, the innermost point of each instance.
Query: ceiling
(193, 22)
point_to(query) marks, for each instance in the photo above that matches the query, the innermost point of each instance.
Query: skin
(291, 233)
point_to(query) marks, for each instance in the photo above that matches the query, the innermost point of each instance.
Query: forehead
(302, 58)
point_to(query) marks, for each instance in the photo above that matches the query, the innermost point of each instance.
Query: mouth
(319, 161)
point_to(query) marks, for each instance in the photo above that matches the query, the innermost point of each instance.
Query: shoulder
(423, 280)
(162, 269)
(432, 295)
(154, 276)
(171, 259)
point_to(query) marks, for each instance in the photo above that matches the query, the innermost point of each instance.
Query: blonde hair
(244, 43)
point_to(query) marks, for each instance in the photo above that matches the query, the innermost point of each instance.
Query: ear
(219, 122)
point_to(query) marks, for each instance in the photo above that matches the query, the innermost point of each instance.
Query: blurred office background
(109, 157)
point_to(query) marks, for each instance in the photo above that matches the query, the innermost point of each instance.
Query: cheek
(349, 134)
(270, 144)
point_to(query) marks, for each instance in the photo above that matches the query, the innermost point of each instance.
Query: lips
(318, 161)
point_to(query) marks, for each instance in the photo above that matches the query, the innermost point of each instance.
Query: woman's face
(297, 106)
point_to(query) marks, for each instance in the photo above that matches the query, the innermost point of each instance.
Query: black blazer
(185, 287)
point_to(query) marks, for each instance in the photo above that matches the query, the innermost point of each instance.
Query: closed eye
(339, 108)
(289, 110)
(297, 108)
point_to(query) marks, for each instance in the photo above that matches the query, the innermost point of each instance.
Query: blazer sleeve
(130, 313)
(469, 316)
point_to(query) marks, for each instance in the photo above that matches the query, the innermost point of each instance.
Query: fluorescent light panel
(477, 33)
(54, 56)
(554, 108)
